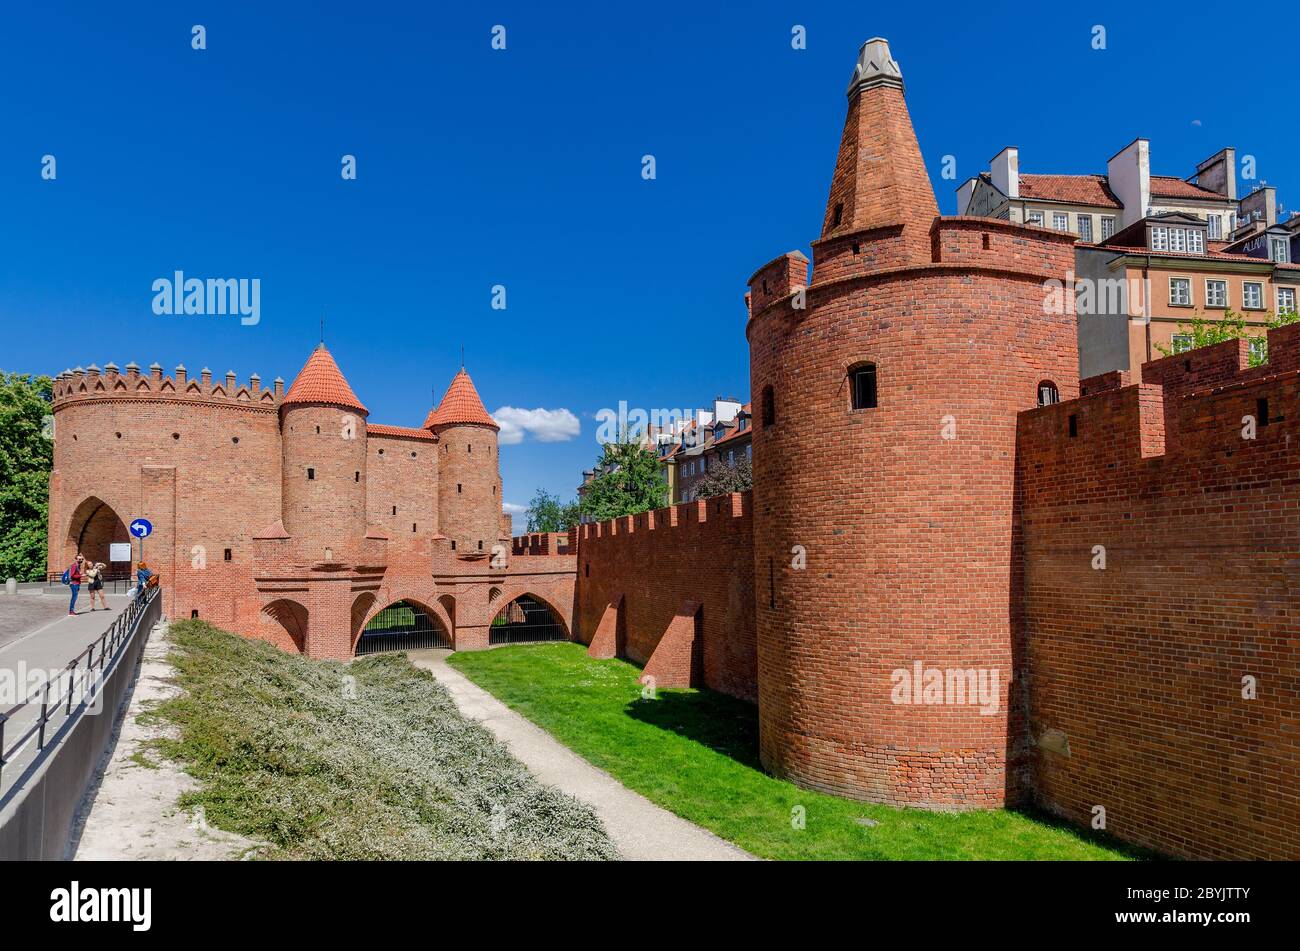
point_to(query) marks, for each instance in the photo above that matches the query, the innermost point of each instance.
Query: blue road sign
(141, 528)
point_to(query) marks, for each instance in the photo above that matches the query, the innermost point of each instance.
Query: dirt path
(132, 810)
(641, 830)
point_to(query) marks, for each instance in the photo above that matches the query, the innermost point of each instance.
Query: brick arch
(93, 525)
(433, 608)
(509, 592)
(284, 623)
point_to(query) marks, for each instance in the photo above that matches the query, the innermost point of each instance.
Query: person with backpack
(72, 578)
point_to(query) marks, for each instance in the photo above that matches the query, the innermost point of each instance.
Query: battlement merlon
(93, 384)
(777, 279)
(1201, 415)
(721, 509)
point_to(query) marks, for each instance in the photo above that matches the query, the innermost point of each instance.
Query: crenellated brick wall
(673, 589)
(1135, 667)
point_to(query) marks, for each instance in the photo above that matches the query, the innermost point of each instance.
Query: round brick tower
(469, 481)
(886, 395)
(323, 476)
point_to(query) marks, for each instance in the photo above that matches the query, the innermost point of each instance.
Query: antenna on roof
(322, 328)
(462, 356)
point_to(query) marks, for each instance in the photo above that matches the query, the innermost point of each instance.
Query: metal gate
(402, 626)
(526, 620)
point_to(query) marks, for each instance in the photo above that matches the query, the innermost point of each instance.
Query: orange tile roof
(1166, 186)
(321, 381)
(460, 405)
(1075, 189)
(402, 432)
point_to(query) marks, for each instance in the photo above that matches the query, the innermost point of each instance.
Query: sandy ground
(132, 810)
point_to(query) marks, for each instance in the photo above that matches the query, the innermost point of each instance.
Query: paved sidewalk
(640, 829)
(131, 812)
(36, 629)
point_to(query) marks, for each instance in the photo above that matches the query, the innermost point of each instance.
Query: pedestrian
(73, 580)
(144, 578)
(95, 579)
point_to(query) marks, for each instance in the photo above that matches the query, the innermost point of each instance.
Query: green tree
(1231, 326)
(546, 513)
(724, 479)
(26, 457)
(627, 481)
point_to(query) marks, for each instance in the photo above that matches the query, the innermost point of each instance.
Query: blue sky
(522, 167)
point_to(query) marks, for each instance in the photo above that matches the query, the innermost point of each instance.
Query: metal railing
(117, 582)
(60, 705)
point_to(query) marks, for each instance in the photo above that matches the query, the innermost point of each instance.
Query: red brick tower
(886, 395)
(469, 480)
(323, 473)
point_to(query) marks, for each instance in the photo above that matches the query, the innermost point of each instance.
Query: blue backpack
(67, 576)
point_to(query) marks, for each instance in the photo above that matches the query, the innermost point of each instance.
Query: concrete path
(640, 829)
(131, 811)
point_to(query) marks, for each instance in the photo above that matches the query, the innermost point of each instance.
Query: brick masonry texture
(660, 567)
(288, 519)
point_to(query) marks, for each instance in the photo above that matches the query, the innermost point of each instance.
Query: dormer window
(1277, 251)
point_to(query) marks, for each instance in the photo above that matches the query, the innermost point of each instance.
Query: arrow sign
(141, 528)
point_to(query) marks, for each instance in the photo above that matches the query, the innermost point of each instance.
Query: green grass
(695, 752)
(369, 760)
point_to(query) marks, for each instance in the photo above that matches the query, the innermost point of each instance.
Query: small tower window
(356, 476)
(1074, 425)
(1048, 394)
(769, 405)
(311, 475)
(228, 555)
(453, 544)
(480, 544)
(458, 488)
(1261, 411)
(468, 447)
(839, 215)
(317, 430)
(863, 385)
(394, 509)
(413, 528)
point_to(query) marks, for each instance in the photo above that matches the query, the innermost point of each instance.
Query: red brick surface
(654, 563)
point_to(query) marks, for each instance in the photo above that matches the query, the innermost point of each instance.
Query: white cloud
(545, 425)
(514, 508)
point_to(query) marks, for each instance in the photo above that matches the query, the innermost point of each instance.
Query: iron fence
(60, 704)
(401, 626)
(117, 582)
(538, 624)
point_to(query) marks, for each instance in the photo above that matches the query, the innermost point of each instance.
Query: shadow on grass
(723, 724)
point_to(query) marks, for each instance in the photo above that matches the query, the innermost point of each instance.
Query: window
(1261, 411)
(1181, 343)
(1048, 394)
(1085, 227)
(1277, 251)
(731, 457)
(1259, 349)
(839, 214)
(1195, 241)
(1159, 239)
(863, 385)
(311, 475)
(769, 406)
(394, 509)
(1074, 425)
(1216, 227)
(458, 488)
(749, 452)
(356, 476)
(1177, 239)
(453, 544)
(1180, 292)
(1061, 222)
(480, 544)
(1107, 226)
(1252, 295)
(227, 555)
(1033, 217)
(1216, 293)
(1286, 300)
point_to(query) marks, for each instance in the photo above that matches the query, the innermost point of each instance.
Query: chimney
(1129, 174)
(1218, 173)
(1004, 169)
